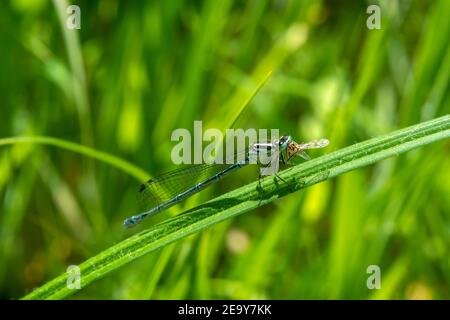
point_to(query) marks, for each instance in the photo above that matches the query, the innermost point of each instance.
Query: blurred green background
(138, 70)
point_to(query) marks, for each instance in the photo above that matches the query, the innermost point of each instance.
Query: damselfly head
(284, 142)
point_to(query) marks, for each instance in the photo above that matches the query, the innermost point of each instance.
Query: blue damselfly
(168, 189)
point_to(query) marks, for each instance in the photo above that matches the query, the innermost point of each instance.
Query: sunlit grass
(247, 198)
(116, 89)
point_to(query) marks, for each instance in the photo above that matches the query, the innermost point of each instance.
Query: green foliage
(247, 198)
(136, 71)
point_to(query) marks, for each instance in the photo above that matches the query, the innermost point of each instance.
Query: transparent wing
(298, 149)
(314, 144)
(303, 154)
(166, 186)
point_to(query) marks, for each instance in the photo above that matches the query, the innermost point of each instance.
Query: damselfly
(175, 186)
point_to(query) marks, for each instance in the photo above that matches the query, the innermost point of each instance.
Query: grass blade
(117, 162)
(246, 198)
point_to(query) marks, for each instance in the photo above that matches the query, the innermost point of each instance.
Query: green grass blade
(114, 161)
(246, 198)
(79, 86)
